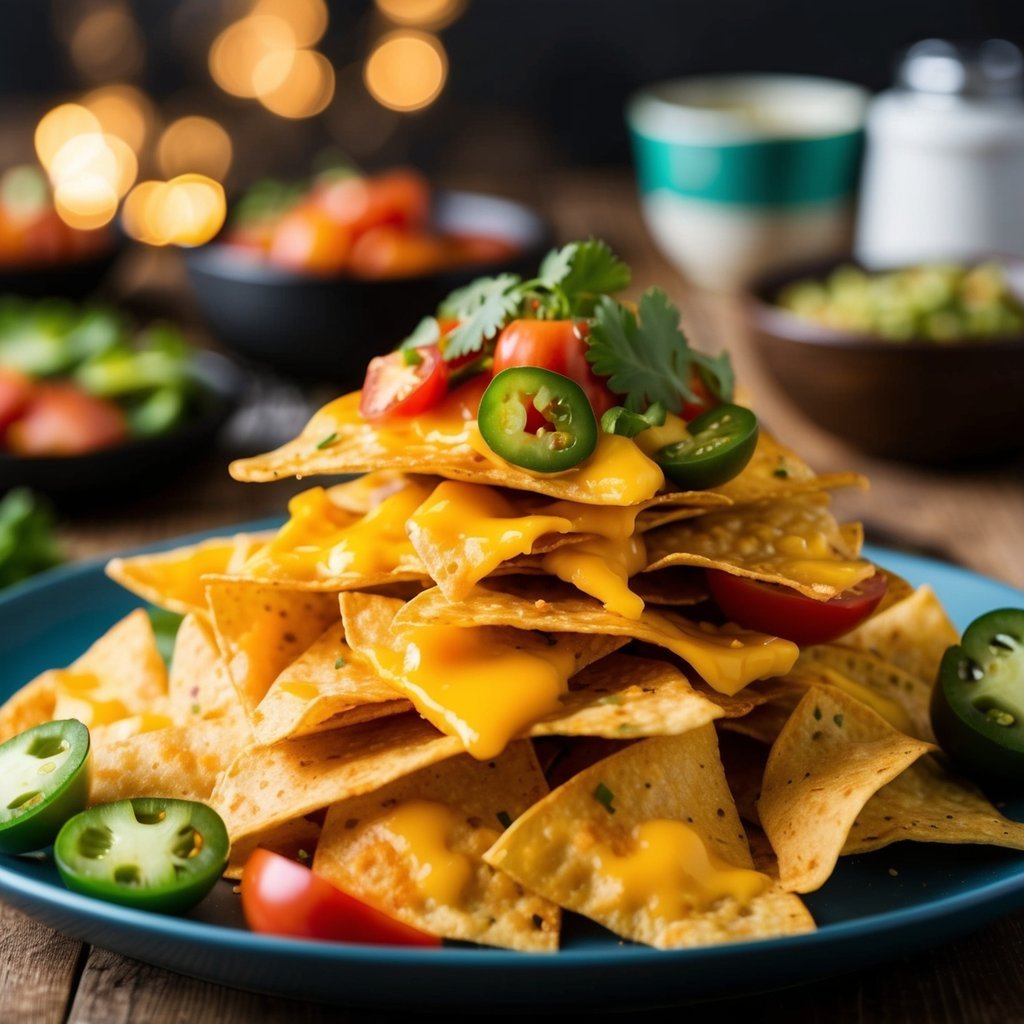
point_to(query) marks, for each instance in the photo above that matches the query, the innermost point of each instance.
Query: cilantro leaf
(618, 420)
(648, 359)
(426, 332)
(482, 309)
(575, 275)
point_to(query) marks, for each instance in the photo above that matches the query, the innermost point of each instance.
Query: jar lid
(993, 68)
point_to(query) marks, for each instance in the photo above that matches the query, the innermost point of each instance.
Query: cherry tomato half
(283, 897)
(307, 240)
(61, 419)
(401, 197)
(404, 383)
(389, 252)
(558, 345)
(781, 611)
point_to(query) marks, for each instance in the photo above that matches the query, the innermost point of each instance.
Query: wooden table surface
(974, 518)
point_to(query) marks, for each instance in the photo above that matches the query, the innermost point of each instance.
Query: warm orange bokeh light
(96, 154)
(407, 70)
(107, 43)
(194, 143)
(60, 125)
(299, 84)
(122, 110)
(424, 13)
(187, 210)
(238, 50)
(86, 201)
(307, 18)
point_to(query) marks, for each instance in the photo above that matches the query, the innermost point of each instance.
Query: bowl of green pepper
(922, 364)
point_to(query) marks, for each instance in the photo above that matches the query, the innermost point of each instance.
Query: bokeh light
(85, 201)
(423, 13)
(307, 18)
(95, 155)
(187, 210)
(295, 85)
(406, 70)
(238, 50)
(194, 143)
(122, 110)
(107, 43)
(61, 124)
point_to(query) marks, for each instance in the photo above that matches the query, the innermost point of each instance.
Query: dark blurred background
(528, 84)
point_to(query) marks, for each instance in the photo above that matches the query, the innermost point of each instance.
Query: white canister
(944, 166)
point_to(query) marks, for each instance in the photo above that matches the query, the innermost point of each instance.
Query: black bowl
(327, 329)
(924, 401)
(76, 279)
(141, 465)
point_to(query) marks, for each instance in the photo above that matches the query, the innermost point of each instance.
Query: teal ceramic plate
(875, 907)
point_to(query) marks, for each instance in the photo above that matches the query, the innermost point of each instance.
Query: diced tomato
(15, 394)
(558, 345)
(703, 401)
(283, 897)
(404, 383)
(782, 611)
(400, 197)
(307, 240)
(63, 420)
(390, 251)
(481, 249)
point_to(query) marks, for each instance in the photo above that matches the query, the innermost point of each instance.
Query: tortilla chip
(928, 804)
(173, 579)
(31, 705)
(183, 762)
(727, 658)
(831, 757)
(324, 546)
(567, 846)
(267, 786)
(912, 634)
(328, 686)
(296, 839)
(475, 707)
(261, 629)
(364, 851)
(199, 685)
(120, 675)
(903, 700)
(624, 697)
(678, 587)
(794, 542)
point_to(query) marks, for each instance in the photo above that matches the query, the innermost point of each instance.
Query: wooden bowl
(918, 400)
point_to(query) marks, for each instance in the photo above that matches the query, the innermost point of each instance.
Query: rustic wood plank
(38, 970)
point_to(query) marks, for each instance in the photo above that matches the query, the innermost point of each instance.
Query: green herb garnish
(327, 441)
(604, 796)
(622, 421)
(27, 541)
(340, 663)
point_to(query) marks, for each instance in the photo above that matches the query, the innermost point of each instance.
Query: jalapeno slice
(978, 701)
(149, 853)
(537, 419)
(721, 442)
(44, 780)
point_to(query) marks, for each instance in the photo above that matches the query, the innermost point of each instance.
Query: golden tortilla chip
(912, 634)
(295, 839)
(678, 587)
(831, 757)
(727, 658)
(173, 579)
(31, 705)
(648, 843)
(486, 685)
(625, 697)
(928, 804)
(262, 628)
(414, 848)
(199, 685)
(120, 675)
(267, 786)
(903, 700)
(328, 686)
(794, 542)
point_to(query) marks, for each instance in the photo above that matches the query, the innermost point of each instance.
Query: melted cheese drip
(669, 872)
(468, 687)
(423, 832)
(601, 568)
(82, 695)
(612, 521)
(482, 521)
(321, 541)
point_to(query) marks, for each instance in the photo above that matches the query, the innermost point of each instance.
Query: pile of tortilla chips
(479, 697)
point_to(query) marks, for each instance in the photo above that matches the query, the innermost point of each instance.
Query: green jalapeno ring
(44, 780)
(149, 853)
(722, 441)
(977, 705)
(568, 436)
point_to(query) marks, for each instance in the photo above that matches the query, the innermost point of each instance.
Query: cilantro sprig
(647, 358)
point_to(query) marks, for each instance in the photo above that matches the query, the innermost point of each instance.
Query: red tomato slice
(397, 385)
(63, 420)
(558, 345)
(399, 197)
(781, 611)
(703, 401)
(15, 394)
(307, 240)
(282, 897)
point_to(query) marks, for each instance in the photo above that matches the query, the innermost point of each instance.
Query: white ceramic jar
(944, 165)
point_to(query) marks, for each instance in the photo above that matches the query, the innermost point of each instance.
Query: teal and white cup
(742, 174)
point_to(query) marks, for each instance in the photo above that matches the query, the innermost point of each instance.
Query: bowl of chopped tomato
(315, 282)
(923, 364)
(92, 406)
